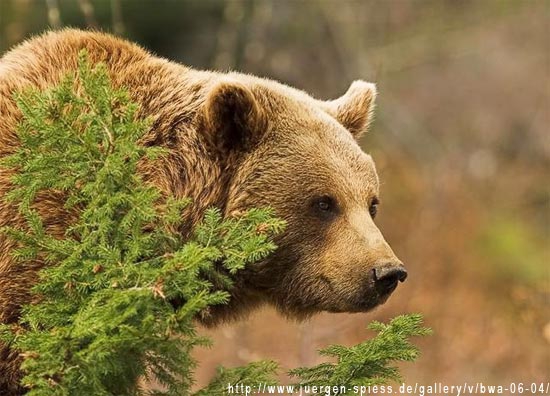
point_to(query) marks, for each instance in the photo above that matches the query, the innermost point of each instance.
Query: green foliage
(504, 243)
(368, 363)
(262, 372)
(103, 315)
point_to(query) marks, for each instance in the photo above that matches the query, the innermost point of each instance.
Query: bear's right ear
(234, 120)
(354, 109)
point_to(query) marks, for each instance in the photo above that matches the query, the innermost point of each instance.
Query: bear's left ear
(233, 117)
(354, 109)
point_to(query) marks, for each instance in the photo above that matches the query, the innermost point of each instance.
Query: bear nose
(387, 276)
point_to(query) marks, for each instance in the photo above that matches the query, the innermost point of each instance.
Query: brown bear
(235, 142)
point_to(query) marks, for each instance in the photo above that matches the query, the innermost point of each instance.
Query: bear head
(299, 156)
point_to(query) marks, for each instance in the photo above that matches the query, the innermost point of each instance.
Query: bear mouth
(370, 298)
(366, 303)
(373, 294)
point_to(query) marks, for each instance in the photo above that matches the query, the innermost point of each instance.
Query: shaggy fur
(236, 141)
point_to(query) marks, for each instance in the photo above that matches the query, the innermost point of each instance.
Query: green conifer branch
(368, 363)
(104, 318)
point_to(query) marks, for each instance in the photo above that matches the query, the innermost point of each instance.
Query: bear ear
(354, 109)
(233, 117)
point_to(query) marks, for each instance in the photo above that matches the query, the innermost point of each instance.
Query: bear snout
(387, 276)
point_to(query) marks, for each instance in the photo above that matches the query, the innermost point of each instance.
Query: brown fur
(236, 142)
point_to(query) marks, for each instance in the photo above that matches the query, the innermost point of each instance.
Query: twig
(54, 16)
(116, 17)
(87, 9)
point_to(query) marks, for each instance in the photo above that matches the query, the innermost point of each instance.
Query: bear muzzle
(387, 277)
(381, 282)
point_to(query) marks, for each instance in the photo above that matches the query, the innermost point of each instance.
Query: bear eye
(324, 205)
(373, 208)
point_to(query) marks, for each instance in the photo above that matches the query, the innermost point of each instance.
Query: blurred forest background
(461, 141)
